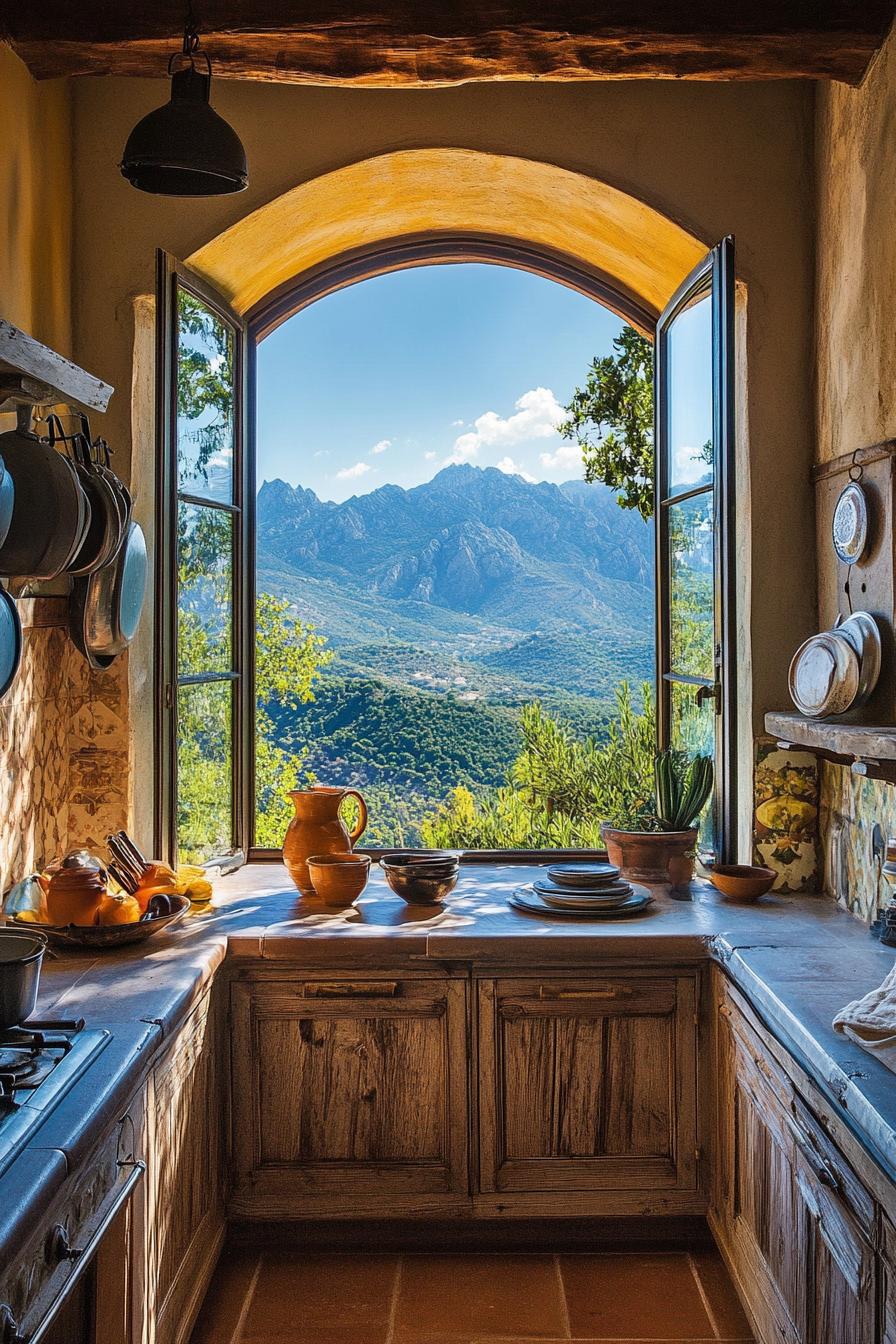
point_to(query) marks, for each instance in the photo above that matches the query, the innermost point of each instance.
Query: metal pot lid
(863, 633)
(849, 529)
(10, 641)
(824, 675)
(7, 500)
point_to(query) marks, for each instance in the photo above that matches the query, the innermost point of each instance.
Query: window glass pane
(205, 373)
(689, 404)
(691, 545)
(204, 779)
(692, 729)
(205, 590)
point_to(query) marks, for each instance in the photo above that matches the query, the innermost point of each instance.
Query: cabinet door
(185, 1211)
(350, 1096)
(588, 1085)
(795, 1223)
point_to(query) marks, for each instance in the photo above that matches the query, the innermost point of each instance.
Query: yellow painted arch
(448, 192)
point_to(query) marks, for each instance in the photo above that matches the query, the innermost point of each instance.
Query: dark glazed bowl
(421, 880)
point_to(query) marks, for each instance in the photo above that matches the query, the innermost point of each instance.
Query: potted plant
(656, 842)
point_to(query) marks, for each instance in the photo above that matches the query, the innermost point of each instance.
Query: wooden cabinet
(185, 1177)
(588, 1094)
(349, 1096)
(794, 1221)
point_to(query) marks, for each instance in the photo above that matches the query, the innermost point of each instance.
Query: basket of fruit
(81, 901)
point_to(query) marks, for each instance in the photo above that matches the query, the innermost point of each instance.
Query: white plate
(579, 901)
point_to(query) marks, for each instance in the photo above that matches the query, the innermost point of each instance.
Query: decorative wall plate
(849, 529)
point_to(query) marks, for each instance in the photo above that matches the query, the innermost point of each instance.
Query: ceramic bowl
(741, 882)
(339, 879)
(418, 880)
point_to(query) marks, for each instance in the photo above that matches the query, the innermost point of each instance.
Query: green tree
(560, 787)
(611, 419)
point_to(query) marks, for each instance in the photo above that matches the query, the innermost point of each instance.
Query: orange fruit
(118, 910)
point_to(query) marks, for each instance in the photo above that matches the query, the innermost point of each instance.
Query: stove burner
(17, 1064)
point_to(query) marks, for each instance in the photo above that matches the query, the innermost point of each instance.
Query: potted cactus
(660, 845)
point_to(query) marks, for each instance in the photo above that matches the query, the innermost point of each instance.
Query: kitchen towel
(871, 1021)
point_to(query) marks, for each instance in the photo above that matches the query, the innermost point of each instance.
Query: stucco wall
(716, 158)
(856, 388)
(856, 261)
(50, 718)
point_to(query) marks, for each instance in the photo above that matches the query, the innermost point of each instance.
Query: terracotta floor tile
(227, 1298)
(321, 1299)
(641, 1295)
(728, 1315)
(456, 1297)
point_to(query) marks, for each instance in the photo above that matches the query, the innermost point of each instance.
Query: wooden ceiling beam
(430, 42)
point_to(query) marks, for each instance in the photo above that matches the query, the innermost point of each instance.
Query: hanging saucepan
(51, 511)
(104, 534)
(10, 641)
(7, 500)
(102, 457)
(105, 608)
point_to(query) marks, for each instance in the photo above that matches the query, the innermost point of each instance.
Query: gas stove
(39, 1063)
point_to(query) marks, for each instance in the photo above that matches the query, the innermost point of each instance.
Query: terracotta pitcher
(317, 828)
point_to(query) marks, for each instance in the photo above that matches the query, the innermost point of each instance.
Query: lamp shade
(184, 148)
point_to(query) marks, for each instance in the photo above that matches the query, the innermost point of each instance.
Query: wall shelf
(866, 749)
(34, 374)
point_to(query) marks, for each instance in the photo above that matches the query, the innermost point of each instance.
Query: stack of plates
(582, 888)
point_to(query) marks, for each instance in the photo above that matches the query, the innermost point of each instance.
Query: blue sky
(386, 380)
(390, 379)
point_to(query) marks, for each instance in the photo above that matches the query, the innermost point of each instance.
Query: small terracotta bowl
(740, 882)
(339, 879)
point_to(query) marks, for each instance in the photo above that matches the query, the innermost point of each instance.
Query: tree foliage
(560, 787)
(611, 419)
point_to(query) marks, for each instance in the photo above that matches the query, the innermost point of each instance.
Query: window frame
(263, 318)
(172, 276)
(714, 278)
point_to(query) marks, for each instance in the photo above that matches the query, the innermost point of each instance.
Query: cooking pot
(51, 512)
(21, 954)
(105, 609)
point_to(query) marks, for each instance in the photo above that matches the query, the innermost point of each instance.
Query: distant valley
(448, 606)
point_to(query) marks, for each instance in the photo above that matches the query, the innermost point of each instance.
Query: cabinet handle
(819, 1165)
(546, 992)
(376, 989)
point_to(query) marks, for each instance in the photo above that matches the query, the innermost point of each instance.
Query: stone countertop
(797, 959)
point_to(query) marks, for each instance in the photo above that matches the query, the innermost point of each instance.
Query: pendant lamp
(184, 148)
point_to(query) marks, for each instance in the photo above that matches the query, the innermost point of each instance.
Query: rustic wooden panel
(186, 1210)
(350, 1097)
(888, 1283)
(352, 1089)
(427, 43)
(579, 1085)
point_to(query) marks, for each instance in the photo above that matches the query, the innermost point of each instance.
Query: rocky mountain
(472, 540)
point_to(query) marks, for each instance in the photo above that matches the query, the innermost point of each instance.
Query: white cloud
(380, 447)
(322, 452)
(352, 473)
(537, 414)
(511, 468)
(689, 465)
(429, 456)
(457, 424)
(567, 455)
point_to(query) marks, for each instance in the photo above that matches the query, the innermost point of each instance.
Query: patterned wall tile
(851, 807)
(785, 819)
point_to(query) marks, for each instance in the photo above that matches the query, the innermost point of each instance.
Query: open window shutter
(696, 669)
(202, 563)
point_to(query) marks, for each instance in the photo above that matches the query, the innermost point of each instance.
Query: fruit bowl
(105, 935)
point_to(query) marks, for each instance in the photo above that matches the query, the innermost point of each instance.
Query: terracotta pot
(339, 879)
(652, 856)
(317, 828)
